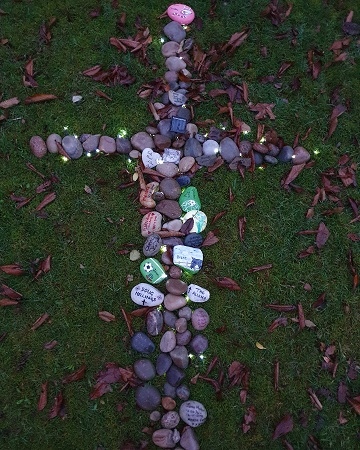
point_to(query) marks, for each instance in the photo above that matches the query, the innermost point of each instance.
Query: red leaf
(281, 308)
(9, 292)
(13, 269)
(58, 407)
(9, 102)
(43, 397)
(106, 316)
(249, 418)
(320, 302)
(102, 95)
(242, 227)
(50, 345)
(210, 239)
(283, 427)
(307, 252)
(342, 392)
(279, 322)
(301, 316)
(231, 195)
(75, 376)
(227, 283)
(355, 403)
(217, 217)
(40, 321)
(259, 268)
(8, 302)
(39, 98)
(292, 174)
(322, 235)
(46, 200)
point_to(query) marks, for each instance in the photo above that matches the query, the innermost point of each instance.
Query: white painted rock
(198, 294)
(151, 223)
(188, 258)
(144, 294)
(150, 158)
(171, 155)
(193, 413)
(200, 220)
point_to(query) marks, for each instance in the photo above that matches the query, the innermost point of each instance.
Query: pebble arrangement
(174, 223)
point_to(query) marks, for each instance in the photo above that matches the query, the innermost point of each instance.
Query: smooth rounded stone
(84, 136)
(179, 143)
(173, 225)
(171, 188)
(199, 344)
(184, 113)
(170, 420)
(72, 147)
(175, 64)
(245, 147)
(170, 208)
(300, 156)
(162, 142)
(258, 158)
(210, 147)
(173, 302)
(151, 223)
(192, 129)
(197, 293)
(260, 148)
(141, 343)
(193, 240)
(158, 196)
(164, 438)
(270, 159)
(144, 369)
(150, 158)
(193, 148)
(155, 416)
(183, 338)
(147, 397)
(175, 272)
(91, 143)
(273, 150)
(200, 319)
(146, 195)
(168, 169)
(151, 130)
(176, 98)
(154, 322)
(183, 392)
(206, 160)
(181, 13)
(165, 98)
(107, 144)
(134, 154)
(181, 325)
(123, 145)
(152, 245)
(188, 440)
(38, 146)
(169, 390)
(175, 32)
(169, 318)
(186, 163)
(184, 85)
(176, 287)
(200, 137)
(144, 294)
(174, 86)
(170, 49)
(286, 154)
(180, 356)
(142, 140)
(228, 149)
(175, 375)
(167, 257)
(183, 180)
(168, 341)
(163, 363)
(172, 241)
(51, 141)
(193, 413)
(171, 76)
(185, 313)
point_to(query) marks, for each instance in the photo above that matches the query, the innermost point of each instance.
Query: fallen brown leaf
(37, 98)
(210, 239)
(46, 200)
(9, 102)
(259, 268)
(75, 376)
(13, 269)
(42, 319)
(8, 302)
(9, 292)
(285, 425)
(322, 235)
(43, 396)
(227, 283)
(58, 408)
(106, 316)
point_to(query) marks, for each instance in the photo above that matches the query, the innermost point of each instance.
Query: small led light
(88, 154)
(162, 40)
(163, 248)
(191, 355)
(122, 133)
(201, 356)
(316, 152)
(64, 159)
(246, 132)
(263, 139)
(97, 151)
(129, 160)
(76, 136)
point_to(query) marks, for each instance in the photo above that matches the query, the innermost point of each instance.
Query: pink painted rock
(38, 146)
(180, 13)
(151, 223)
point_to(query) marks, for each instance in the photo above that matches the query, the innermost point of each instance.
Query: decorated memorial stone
(197, 294)
(151, 223)
(152, 245)
(152, 271)
(188, 258)
(189, 200)
(200, 220)
(150, 158)
(181, 13)
(171, 155)
(144, 294)
(193, 413)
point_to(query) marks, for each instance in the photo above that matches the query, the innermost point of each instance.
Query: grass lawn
(292, 64)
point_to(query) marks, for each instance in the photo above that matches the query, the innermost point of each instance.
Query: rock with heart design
(151, 223)
(143, 294)
(146, 195)
(150, 158)
(152, 271)
(189, 200)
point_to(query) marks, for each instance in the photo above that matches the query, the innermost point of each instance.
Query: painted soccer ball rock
(180, 13)
(148, 267)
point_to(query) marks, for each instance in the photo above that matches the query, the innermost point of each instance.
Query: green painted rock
(152, 271)
(189, 200)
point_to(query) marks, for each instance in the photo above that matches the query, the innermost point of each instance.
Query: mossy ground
(83, 232)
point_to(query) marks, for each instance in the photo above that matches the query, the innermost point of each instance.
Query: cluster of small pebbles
(172, 230)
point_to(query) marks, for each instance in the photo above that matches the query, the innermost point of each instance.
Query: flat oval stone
(142, 343)
(173, 302)
(171, 188)
(166, 257)
(189, 200)
(175, 272)
(170, 420)
(169, 390)
(152, 245)
(193, 413)
(155, 416)
(193, 240)
(144, 294)
(200, 220)
(173, 225)
(180, 356)
(270, 159)
(189, 440)
(154, 322)
(150, 158)
(175, 375)
(181, 13)
(286, 154)
(181, 324)
(72, 146)
(258, 158)
(170, 208)
(169, 318)
(142, 140)
(147, 397)
(300, 156)
(228, 149)
(168, 169)
(199, 344)
(197, 293)
(152, 271)
(123, 145)
(175, 64)
(273, 150)
(192, 148)
(175, 32)
(186, 163)
(91, 143)
(107, 144)
(200, 319)
(51, 141)
(210, 147)
(176, 287)
(144, 369)
(183, 338)
(38, 146)
(163, 438)
(183, 392)
(163, 363)
(151, 223)
(170, 49)
(162, 142)
(185, 313)
(146, 195)
(206, 160)
(168, 341)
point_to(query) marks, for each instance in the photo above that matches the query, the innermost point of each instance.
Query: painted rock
(146, 195)
(200, 319)
(193, 240)
(181, 13)
(171, 155)
(189, 200)
(200, 220)
(152, 271)
(177, 98)
(188, 258)
(170, 420)
(165, 438)
(150, 158)
(151, 223)
(152, 245)
(144, 294)
(193, 413)
(197, 293)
